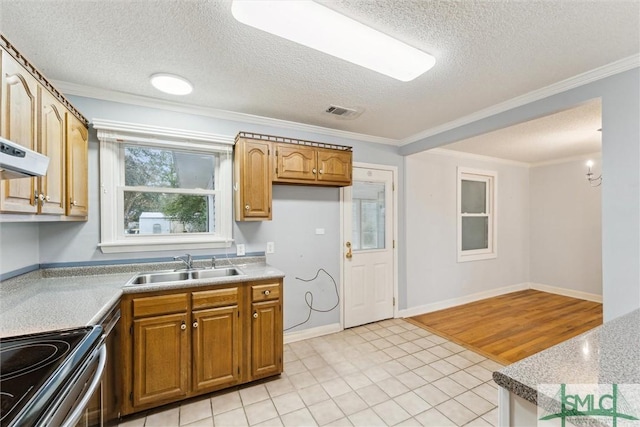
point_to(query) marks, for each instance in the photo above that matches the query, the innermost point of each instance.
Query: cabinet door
(216, 348)
(18, 123)
(52, 144)
(160, 359)
(334, 166)
(295, 163)
(77, 167)
(266, 338)
(253, 172)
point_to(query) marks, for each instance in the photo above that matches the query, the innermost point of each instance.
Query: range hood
(17, 161)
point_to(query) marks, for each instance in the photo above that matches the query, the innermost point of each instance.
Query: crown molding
(69, 88)
(483, 158)
(611, 69)
(473, 156)
(143, 101)
(596, 155)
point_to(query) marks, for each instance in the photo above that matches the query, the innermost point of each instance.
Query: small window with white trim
(163, 189)
(476, 214)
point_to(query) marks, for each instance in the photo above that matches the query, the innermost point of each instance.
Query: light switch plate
(240, 250)
(319, 230)
(271, 247)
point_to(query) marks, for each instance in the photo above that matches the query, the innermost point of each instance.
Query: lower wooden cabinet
(266, 358)
(160, 359)
(194, 341)
(216, 348)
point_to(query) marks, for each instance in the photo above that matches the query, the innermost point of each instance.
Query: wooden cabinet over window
(35, 115)
(188, 342)
(287, 161)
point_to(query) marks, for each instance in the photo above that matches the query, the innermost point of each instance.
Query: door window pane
(473, 197)
(368, 215)
(475, 233)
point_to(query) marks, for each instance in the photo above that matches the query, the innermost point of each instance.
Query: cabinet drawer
(265, 292)
(163, 304)
(214, 298)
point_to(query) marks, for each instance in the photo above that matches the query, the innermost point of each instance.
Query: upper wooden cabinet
(77, 168)
(19, 123)
(252, 169)
(36, 116)
(300, 164)
(53, 137)
(260, 160)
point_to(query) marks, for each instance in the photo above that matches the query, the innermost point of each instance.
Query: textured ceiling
(487, 52)
(565, 134)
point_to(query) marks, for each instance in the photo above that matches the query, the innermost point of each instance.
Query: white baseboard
(441, 305)
(305, 334)
(566, 292)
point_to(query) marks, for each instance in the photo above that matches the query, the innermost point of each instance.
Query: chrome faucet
(187, 259)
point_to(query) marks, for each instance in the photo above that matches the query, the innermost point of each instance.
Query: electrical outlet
(271, 247)
(240, 250)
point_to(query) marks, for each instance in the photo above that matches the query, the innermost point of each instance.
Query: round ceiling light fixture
(171, 84)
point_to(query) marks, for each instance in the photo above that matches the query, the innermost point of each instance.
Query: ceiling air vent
(343, 112)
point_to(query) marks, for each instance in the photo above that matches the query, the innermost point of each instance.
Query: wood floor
(513, 326)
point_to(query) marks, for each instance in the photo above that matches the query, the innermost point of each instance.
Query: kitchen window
(163, 189)
(477, 217)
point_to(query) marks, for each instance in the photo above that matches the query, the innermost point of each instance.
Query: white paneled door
(368, 218)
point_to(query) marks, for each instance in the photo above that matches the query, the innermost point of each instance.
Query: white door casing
(369, 269)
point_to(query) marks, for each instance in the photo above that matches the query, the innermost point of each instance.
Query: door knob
(349, 254)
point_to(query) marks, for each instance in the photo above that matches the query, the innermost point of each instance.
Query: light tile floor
(382, 374)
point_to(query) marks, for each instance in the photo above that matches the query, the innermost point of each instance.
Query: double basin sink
(183, 275)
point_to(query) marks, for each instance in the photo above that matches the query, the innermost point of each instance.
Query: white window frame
(491, 179)
(113, 137)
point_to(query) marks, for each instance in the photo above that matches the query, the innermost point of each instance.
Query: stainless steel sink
(178, 276)
(214, 272)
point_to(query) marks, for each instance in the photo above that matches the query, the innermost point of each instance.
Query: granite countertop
(63, 298)
(608, 354)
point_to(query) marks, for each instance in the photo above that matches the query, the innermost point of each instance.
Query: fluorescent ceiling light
(171, 84)
(320, 28)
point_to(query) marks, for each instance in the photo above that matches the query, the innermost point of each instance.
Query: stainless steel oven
(50, 379)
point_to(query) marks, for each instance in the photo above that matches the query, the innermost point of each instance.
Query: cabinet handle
(321, 172)
(47, 198)
(267, 292)
(255, 315)
(247, 207)
(73, 202)
(183, 326)
(43, 199)
(314, 171)
(195, 324)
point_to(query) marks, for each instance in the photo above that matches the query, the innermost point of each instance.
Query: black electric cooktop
(34, 367)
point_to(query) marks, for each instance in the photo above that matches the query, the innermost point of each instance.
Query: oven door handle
(72, 419)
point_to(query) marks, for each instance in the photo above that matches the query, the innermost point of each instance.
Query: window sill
(162, 245)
